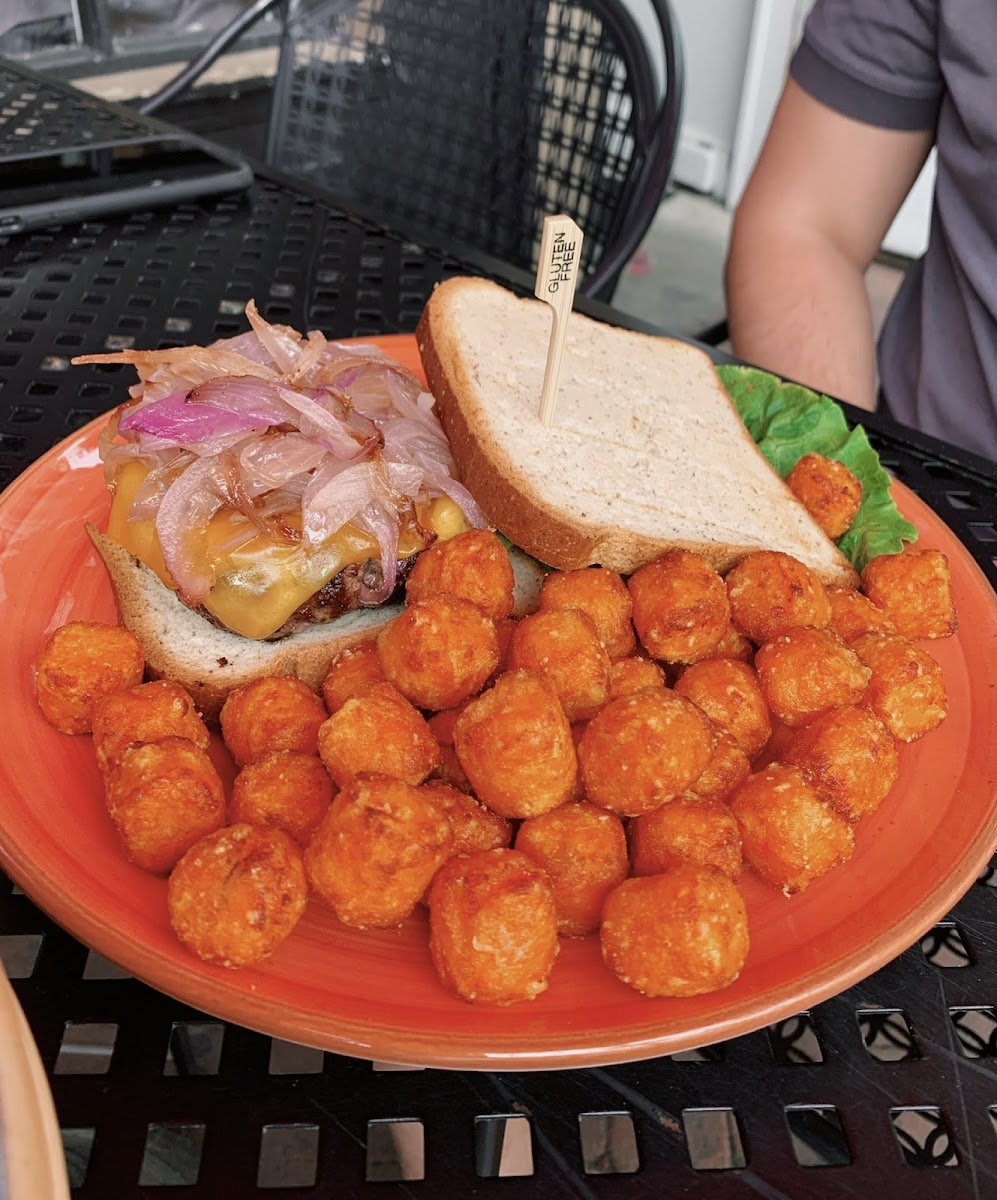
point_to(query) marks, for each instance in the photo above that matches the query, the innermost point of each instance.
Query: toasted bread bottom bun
(210, 662)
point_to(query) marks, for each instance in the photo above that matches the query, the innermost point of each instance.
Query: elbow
(758, 231)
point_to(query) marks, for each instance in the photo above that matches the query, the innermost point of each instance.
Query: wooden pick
(557, 271)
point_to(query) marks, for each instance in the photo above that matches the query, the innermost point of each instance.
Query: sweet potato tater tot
(914, 589)
(789, 834)
(376, 850)
(634, 674)
(439, 651)
(351, 672)
(727, 769)
(378, 733)
(563, 646)
(733, 645)
(163, 797)
(829, 492)
(851, 758)
(602, 595)
(806, 672)
(284, 789)
(449, 770)
(906, 691)
(237, 894)
(728, 691)
(771, 592)
(504, 631)
(686, 829)
(514, 743)
(681, 933)
(493, 926)
(680, 607)
(578, 791)
(80, 663)
(853, 614)
(583, 849)
(146, 713)
(473, 566)
(475, 826)
(277, 712)
(642, 750)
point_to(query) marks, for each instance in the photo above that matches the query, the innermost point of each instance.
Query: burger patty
(342, 594)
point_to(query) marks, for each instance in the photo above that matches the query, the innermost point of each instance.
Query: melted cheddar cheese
(258, 585)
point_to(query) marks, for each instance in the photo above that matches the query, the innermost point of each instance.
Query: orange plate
(375, 995)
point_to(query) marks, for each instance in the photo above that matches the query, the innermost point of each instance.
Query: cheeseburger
(274, 481)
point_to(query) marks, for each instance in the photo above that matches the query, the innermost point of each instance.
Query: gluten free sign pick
(557, 271)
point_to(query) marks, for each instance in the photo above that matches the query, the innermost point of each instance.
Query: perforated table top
(889, 1089)
(37, 116)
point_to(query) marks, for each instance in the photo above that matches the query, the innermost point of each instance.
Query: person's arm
(815, 211)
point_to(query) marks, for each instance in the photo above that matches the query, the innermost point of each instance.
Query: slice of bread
(646, 451)
(209, 662)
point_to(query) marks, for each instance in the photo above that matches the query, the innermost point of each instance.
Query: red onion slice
(249, 345)
(311, 353)
(383, 523)
(152, 489)
(274, 460)
(245, 396)
(445, 484)
(317, 421)
(189, 504)
(174, 421)
(406, 440)
(333, 499)
(122, 452)
(187, 366)
(280, 342)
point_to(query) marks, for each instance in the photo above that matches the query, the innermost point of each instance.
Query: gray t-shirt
(923, 64)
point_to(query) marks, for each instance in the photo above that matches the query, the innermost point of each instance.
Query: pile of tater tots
(606, 767)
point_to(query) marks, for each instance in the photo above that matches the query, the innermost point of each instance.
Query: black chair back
(467, 122)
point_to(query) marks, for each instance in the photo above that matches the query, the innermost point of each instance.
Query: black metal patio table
(888, 1089)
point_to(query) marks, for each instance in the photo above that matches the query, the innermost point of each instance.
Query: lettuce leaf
(788, 421)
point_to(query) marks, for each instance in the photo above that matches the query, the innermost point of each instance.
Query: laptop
(66, 156)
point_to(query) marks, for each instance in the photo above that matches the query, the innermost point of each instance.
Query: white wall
(646, 20)
(715, 37)
(776, 28)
